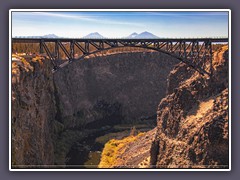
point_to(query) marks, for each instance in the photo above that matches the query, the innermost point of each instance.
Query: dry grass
(113, 149)
(202, 109)
(195, 119)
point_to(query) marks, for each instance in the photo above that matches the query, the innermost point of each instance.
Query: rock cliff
(33, 111)
(192, 123)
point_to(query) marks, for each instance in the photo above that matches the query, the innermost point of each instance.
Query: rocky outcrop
(192, 122)
(194, 141)
(33, 111)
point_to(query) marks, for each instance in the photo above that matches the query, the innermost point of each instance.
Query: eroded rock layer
(33, 111)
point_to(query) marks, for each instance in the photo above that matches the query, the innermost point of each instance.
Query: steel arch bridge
(195, 52)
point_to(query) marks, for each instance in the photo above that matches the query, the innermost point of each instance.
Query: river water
(85, 153)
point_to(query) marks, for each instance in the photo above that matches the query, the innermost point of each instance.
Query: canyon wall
(192, 123)
(130, 83)
(33, 112)
(50, 112)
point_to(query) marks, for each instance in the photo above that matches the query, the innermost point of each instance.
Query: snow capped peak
(147, 35)
(143, 35)
(94, 35)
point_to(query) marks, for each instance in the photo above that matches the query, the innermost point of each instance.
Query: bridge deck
(195, 52)
(37, 40)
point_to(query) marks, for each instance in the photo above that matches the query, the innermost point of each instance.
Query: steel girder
(196, 53)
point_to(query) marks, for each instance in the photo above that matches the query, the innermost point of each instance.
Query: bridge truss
(196, 53)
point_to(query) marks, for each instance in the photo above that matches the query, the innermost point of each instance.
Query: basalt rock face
(192, 121)
(33, 110)
(129, 84)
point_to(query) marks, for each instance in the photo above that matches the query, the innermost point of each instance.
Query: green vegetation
(113, 149)
(93, 159)
(64, 143)
(121, 131)
(121, 127)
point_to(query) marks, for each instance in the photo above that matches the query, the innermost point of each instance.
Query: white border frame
(118, 10)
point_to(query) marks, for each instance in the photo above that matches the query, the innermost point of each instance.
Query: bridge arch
(196, 53)
(180, 59)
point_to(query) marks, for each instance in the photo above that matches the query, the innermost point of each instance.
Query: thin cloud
(63, 15)
(81, 17)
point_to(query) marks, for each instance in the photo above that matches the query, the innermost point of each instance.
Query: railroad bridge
(195, 52)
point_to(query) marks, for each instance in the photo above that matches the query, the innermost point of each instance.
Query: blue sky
(120, 24)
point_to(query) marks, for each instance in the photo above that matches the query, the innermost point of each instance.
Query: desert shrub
(113, 149)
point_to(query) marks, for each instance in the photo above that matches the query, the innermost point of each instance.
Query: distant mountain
(27, 36)
(146, 35)
(45, 36)
(143, 35)
(94, 35)
(133, 35)
(50, 36)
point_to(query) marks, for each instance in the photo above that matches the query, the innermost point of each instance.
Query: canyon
(59, 120)
(51, 112)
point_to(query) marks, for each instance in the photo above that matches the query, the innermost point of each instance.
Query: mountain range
(96, 35)
(143, 35)
(45, 36)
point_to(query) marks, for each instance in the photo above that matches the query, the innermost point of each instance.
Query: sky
(120, 24)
